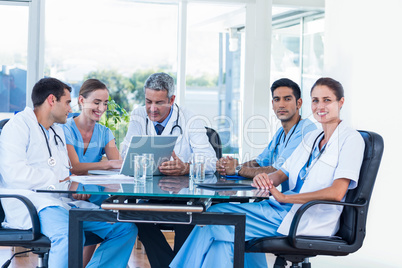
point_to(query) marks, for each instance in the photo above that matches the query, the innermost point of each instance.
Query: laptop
(160, 146)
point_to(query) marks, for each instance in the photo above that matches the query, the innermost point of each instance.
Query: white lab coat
(194, 138)
(24, 166)
(342, 158)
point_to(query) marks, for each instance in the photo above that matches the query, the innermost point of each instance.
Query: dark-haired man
(286, 103)
(33, 155)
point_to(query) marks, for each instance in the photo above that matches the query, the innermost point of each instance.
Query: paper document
(110, 179)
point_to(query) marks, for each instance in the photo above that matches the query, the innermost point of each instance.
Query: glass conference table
(174, 200)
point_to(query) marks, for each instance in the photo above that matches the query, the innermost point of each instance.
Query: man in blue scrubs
(286, 103)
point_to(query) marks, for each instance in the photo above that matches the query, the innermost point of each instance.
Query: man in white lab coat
(161, 116)
(33, 155)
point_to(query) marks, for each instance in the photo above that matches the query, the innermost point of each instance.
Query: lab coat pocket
(324, 168)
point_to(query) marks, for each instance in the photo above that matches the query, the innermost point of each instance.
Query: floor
(138, 257)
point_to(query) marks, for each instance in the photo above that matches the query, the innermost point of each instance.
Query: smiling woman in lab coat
(323, 167)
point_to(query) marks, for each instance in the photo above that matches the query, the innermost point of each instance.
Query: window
(298, 50)
(118, 42)
(13, 58)
(213, 68)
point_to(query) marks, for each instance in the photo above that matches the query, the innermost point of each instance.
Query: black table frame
(77, 216)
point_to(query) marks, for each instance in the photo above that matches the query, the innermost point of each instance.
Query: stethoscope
(51, 161)
(309, 160)
(284, 138)
(176, 123)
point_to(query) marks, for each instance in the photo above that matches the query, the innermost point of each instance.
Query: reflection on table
(162, 187)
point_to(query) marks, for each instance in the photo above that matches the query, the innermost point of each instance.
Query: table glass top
(171, 187)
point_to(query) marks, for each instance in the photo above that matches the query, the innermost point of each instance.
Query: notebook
(160, 146)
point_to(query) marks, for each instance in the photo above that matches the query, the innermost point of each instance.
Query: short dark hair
(335, 86)
(46, 86)
(285, 82)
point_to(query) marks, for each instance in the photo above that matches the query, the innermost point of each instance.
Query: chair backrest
(374, 147)
(215, 141)
(2, 215)
(2, 123)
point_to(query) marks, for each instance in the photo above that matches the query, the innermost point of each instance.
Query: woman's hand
(262, 181)
(115, 164)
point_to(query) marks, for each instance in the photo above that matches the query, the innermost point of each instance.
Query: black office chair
(215, 141)
(296, 249)
(2, 123)
(31, 239)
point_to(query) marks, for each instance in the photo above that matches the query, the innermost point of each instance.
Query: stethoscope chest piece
(51, 161)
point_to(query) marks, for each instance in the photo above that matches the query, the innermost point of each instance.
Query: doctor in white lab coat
(161, 116)
(160, 109)
(323, 167)
(33, 155)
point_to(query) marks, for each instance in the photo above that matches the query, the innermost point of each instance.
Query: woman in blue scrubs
(323, 167)
(88, 141)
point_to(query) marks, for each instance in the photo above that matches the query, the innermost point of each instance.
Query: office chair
(2, 123)
(352, 230)
(215, 141)
(31, 239)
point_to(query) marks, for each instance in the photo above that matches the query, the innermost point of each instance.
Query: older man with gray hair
(161, 116)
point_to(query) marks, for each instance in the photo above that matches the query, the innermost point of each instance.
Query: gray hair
(160, 81)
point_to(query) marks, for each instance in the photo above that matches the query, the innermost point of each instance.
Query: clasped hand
(226, 165)
(262, 181)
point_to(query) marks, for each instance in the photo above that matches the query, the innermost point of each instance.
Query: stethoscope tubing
(176, 124)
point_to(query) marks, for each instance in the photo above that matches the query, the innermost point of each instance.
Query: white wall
(363, 44)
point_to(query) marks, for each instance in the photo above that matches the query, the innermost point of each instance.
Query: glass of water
(139, 169)
(149, 165)
(199, 167)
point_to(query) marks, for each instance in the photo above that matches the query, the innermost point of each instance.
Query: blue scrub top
(281, 146)
(285, 145)
(96, 148)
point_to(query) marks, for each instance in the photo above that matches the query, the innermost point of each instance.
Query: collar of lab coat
(169, 125)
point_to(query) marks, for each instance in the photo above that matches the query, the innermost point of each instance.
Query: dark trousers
(158, 250)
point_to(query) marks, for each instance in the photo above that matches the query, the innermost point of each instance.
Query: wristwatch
(237, 169)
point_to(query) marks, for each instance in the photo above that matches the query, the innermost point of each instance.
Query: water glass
(192, 164)
(139, 169)
(149, 165)
(199, 167)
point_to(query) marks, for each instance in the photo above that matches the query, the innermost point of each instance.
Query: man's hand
(73, 187)
(172, 184)
(176, 167)
(226, 165)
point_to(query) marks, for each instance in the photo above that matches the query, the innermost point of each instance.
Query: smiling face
(61, 108)
(324, 105)
(157, 104)
(284, 104)
(95, 104)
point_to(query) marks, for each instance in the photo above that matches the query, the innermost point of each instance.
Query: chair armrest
(33, 214)
(299, 213)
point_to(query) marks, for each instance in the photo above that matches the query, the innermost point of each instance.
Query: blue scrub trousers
(114, 251)
(212, 245)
